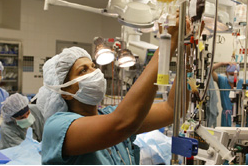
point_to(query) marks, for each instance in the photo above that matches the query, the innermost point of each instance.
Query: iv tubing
(213, 49)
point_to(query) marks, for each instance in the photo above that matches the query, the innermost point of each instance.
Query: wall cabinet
(11, 58)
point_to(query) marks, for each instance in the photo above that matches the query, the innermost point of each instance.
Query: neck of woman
(81, 108)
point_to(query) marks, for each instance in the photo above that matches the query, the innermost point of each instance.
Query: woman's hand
(173, 30)
(228, 63)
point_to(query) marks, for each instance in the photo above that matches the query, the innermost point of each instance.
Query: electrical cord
(213, 50)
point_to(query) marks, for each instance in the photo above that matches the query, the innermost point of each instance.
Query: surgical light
(137, 15)
(103, 54)
(126, 58)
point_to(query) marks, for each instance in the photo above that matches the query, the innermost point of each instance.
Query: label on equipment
(163, 79)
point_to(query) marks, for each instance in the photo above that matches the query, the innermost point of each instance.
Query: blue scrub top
(53, 137)
(3, 95)
(225, 100)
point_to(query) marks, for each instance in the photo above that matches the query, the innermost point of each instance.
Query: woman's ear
(66, 97)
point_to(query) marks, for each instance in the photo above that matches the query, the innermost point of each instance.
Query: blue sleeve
(3, 95)
(221, 81)
(54, 133)
(109, 109)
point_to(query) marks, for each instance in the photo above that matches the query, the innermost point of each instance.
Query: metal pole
(184, 85)
(122, 77)
(244, 82)
(123, 38)
(178, 96)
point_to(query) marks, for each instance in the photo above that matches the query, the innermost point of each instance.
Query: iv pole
(243, 120)
(180, 72)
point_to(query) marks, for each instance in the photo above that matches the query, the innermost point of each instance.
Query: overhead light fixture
(126, 58)
(137, 15)
(103, 54)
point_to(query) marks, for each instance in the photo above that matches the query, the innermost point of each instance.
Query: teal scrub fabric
(225, 100)
(3, 95)
(53, 137)
(212, 110)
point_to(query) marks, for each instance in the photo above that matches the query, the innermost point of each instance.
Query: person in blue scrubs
(226, 82)
(76, 132)
(3, 93)
(18, 115)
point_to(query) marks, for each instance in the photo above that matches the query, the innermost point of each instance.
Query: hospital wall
(39, 30)
(223, 52)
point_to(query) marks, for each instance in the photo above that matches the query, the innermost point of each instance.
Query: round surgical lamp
(126, 58)
(103, 54)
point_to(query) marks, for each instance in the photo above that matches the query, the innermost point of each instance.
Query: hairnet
(55, 71)
(232, 68)
(1, 66)
(13, 104)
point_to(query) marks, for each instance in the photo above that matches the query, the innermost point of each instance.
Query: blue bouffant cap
(232, 68)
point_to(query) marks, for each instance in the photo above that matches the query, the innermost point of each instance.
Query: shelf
(10, 59)
(8, 80)
(14, 55)
(10, 66)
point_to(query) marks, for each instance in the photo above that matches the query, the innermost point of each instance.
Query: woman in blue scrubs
(76, 132)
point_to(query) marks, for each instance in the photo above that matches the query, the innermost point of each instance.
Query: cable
(213, 50)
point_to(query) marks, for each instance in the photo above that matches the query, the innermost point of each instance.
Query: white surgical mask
(92, 88)
(230, 78)
(27, 122)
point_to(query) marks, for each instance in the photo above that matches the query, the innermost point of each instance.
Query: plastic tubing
(215, 144)
(164, 60)
(213, 49)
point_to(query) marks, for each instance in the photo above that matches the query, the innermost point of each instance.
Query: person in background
(3, 93)
(76, 132)
(18, 115)
(226, 82)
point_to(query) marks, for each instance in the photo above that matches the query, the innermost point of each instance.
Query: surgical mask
(92, 88)
(231, 78)
(27, 122)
